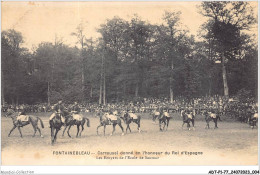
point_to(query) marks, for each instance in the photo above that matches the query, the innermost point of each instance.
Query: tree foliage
(139, 60)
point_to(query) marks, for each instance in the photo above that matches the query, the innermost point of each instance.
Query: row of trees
(136, 59)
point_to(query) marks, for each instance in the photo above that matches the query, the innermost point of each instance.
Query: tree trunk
(17, 100)
(82, 81)
(91, 91)
(136, 90)
(2, 93)
(48, 94)
(12, 101)
(100, 89)
(100, 93)
(104, 90)
(224, 74)
(171, 82)
(124, 89)
(210, 87)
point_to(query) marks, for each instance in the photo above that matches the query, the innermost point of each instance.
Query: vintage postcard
(129, 83)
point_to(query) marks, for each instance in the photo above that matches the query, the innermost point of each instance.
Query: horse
(30, 120)
(252, 120)
(211, 117)
(55, 125)
(164, 118)
(129, 118)
(187, 118)
(77, 120)
(105, 120)
(155, 115)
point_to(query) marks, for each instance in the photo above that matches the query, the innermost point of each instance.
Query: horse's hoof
(111, 134)
(41, 136)
(123, 134)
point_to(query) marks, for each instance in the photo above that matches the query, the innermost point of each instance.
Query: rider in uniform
(59, 107)
(75, 109)
(21, 112)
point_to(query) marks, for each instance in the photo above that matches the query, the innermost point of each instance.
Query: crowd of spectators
(231, 106)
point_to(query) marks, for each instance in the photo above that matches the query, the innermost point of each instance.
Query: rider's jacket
(59, 107)
(75, 109)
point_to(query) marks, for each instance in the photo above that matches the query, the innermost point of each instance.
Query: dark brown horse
(252, 120)
(129, 118)
(211, 117)
(18, 124)
(104, 121)
(165, 119)
(70, 121)
(187, 118)
(55, 125)
(155, 115)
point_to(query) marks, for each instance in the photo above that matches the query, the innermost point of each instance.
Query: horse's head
(58, 114)
(125, 116)
(9, 112)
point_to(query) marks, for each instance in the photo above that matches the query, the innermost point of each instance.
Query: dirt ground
(233, 143)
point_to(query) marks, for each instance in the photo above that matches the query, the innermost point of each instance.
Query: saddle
(23, 118)
(111, 117)
(133, 116)
(157, 113)
(77, 117)
(212, 115)
(166, 114)
(189, 116)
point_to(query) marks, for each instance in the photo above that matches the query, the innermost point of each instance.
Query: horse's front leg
(183, 124)
(123, 129)
(11, 130)
(34, 132)
(127, 127)
(55, 136)
(193, 121)
(164, 124)
(64, 130)
(77, 130)
(160, 122)
(82, 128)
(168, 120)
(20, 131)
(104, 130)
(52, 135)
(68, 131)
(114, 126)
(188, 125)
(138, 126)
(207, 123)
(98, 127)
(216, 123)
(39, 132)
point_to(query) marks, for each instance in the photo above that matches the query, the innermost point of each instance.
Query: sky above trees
(41, 21)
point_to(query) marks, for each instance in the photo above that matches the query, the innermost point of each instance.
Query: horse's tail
(88, 122)
(41, 122)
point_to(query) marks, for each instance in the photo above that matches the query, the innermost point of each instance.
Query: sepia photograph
(129, 83)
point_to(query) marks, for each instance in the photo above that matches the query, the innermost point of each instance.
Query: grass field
(234, 143)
